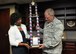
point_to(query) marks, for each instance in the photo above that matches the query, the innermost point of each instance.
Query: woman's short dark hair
(14, 17)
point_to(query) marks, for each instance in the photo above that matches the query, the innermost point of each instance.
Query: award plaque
(70, 24)
(35, 42)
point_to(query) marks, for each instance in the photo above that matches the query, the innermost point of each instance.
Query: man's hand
(41, 46)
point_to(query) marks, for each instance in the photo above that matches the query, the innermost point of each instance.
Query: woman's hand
(24, 44)
(27, 45)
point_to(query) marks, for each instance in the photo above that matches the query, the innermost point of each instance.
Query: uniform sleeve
(56, 36)
(41, 30)
(12, 40)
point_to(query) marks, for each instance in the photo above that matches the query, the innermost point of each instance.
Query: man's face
(48, 17)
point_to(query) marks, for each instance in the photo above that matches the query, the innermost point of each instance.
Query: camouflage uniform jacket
(52, 37)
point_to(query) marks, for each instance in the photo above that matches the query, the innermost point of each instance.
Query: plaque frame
(35, 42)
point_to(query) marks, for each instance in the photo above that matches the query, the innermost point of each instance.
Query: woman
(18, 35)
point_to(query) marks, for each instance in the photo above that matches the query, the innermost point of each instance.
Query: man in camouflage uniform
(52, 34)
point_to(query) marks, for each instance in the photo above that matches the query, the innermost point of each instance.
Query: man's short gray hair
(50, 11)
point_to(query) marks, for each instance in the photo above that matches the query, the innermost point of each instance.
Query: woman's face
(19, 21)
